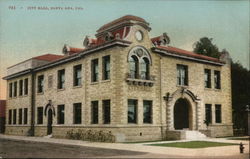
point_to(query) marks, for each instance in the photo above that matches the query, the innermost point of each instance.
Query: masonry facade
(123, 82)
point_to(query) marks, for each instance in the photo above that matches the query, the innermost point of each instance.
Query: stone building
(123, 82)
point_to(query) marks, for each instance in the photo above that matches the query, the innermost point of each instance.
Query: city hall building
(123, 82)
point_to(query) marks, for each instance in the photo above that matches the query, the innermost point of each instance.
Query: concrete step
(194, 135)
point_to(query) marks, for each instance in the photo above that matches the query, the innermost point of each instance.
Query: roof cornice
(167, 53)
(109, 44)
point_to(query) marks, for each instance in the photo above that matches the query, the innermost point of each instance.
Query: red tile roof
(124, 18)
(48, 57)
(73, 50)
(187, 53)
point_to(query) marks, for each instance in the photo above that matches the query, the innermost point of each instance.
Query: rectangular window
(20, 116)
(10, 116)
(25, 115)
(106, 67)
(132, 111)
(77, 113)
(50, 81)
(208, 113)
(182, 75)
(147, 111)
(39, 115)
(15, 89)
(77, 75)
(94, 112)
(26, 83)
(217, 113)
(94, 70)
(207, 78)
(106, 111)
(20, 87)
(10, 90)
(14, 116)
(60, 114)
(217, 79)
(61, 79)
(40, 83)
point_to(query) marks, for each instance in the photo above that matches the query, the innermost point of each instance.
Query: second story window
(10, 90)
(15, 89)
(61, 79)
(217, 80)
(26, 86)
(144, 68)
(94, 70)
(77, 75)
(20, 87)
(133, 67)
(106, 67)
(40, 83)
(207, 76)
(182, 75)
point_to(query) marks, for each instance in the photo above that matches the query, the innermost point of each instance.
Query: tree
(240, 95)
(205, 47)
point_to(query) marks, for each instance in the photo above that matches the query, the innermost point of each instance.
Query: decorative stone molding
(140, 82)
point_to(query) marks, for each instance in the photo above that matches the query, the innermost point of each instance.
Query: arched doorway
(182, 114)
(50, 121)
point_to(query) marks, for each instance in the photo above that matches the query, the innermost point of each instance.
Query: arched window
(133, 66)
(144, 68)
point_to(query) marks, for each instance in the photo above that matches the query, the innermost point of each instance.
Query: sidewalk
(145, 147)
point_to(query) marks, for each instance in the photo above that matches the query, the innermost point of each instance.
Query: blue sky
(26, 33)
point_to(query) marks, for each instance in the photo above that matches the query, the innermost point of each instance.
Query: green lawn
(194, 144)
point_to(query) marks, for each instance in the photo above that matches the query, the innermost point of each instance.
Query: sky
(26, 30)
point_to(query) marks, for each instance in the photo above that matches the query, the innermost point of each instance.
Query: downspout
(162, 129)
(32, 126)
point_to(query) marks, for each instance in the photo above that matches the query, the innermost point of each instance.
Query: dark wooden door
(50, 121)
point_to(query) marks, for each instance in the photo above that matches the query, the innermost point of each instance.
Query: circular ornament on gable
(138, 35)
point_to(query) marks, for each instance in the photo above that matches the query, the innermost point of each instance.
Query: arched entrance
(182, 114)
(50, 121)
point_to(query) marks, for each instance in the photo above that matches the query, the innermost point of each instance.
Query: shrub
(90, 135)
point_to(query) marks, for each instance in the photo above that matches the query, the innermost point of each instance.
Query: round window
(139, 35)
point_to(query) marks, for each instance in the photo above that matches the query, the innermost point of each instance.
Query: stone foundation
(122, 134)
(17, 130)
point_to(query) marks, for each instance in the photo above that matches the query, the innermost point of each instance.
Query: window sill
(62, 89)
(80, 86)
(104, 81)
(94, 83)
(183, 86)
(40, 93)
(217, 89)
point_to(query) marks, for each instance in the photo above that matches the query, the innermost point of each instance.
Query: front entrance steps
(184, 135)
(194, 135)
